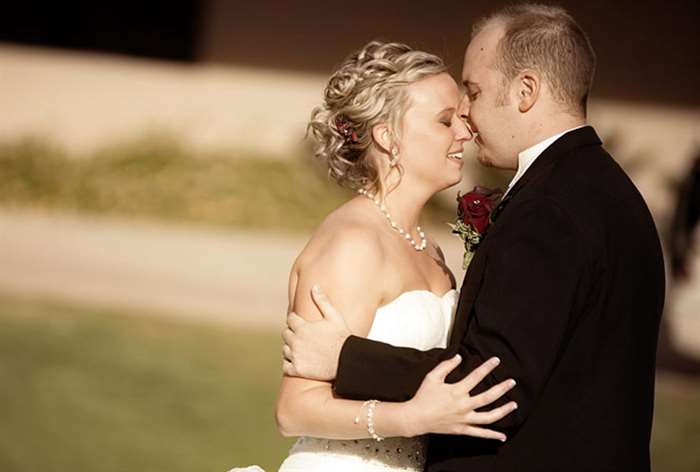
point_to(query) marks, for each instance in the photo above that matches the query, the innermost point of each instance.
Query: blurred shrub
(158, 178)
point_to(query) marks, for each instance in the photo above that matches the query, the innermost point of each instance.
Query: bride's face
(433, 135)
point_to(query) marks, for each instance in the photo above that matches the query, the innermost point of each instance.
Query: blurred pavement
(204, 274)
(231, 276)
(211, 275)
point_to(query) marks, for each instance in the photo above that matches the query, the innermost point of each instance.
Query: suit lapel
(470, 287)
(475, 274)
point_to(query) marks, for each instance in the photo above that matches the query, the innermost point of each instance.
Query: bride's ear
(382, 137)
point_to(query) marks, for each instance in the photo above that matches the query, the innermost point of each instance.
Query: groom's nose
(465, 132)
(463, 109)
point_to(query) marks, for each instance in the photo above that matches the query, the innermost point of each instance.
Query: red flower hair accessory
(345, 129)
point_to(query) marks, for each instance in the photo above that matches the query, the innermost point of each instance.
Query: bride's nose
(463, 131)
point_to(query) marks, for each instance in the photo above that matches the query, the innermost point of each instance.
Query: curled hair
(547, 39)
(367, 89)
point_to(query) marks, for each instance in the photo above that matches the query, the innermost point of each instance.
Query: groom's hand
(311, 348)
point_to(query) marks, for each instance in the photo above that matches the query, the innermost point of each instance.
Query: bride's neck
(405, 207)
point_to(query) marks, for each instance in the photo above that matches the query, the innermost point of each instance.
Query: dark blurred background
(648, 50)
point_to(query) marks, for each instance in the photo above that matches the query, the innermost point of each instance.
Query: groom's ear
(383, 137)
(529, 88)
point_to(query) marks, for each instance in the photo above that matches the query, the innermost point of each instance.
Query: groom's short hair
(547, 39)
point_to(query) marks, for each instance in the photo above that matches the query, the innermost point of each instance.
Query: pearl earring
(394, 158)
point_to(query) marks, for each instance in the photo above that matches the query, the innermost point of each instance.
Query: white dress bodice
(419, 319)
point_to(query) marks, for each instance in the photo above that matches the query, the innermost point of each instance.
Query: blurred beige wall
(83, 101)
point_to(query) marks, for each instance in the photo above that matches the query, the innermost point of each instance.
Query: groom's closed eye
(472, 90)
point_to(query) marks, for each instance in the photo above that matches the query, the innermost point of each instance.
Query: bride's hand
(439, 407)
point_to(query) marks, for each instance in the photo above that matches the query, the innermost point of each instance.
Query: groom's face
(488, 106)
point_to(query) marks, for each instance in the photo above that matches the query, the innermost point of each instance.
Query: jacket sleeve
(523, 314)
(372, 369)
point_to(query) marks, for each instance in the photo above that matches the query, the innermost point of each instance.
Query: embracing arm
(522, 315)
(395, 372)
(311, 410)
(309, 407)
(303, 405)
(437, 407)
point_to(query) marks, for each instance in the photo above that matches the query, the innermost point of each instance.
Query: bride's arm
(437, 407)
(351, 267)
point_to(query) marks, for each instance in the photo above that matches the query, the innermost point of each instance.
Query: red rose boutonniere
(474, 218)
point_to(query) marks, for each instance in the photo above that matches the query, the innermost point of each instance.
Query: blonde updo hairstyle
(369, 88)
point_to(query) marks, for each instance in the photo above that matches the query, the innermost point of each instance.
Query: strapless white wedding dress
(419, 319)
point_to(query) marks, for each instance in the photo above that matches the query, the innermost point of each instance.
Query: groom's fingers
(444, 368)
(324, 304)
(489, 417)
(492, 394)
(287, 352)
(478, 374)
(483, 433)
(288, 369)
(294, 321)
(288, 337)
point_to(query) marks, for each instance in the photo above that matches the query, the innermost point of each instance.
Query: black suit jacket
(567, 288)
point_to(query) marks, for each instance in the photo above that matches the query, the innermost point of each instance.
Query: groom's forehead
(482, 46)
(480, 54)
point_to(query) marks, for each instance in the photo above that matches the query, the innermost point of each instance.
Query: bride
(388, 128)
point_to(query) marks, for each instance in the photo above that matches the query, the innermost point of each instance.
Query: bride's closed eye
(445, 119)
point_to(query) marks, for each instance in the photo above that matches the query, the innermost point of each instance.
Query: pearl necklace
(406, 235)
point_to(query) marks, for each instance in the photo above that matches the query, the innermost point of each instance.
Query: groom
(566, 289)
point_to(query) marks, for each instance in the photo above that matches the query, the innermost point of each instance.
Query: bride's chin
(452, 182)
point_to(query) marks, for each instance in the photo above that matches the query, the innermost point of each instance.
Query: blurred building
(648, 51)
(243, 76)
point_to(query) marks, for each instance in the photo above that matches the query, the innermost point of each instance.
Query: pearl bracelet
(370, 420)
(357, 418)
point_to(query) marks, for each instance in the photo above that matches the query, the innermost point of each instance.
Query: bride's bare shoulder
(345, 234)
(345, 256)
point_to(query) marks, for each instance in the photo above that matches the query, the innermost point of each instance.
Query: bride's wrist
(411, 422)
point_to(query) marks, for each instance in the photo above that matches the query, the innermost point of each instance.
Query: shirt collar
(529, 155)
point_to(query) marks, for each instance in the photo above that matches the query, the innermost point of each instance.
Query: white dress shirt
(529, 155)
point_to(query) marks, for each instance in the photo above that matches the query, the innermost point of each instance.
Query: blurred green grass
(106, 390)
(676, 432)
(155, 177)
(100, 390)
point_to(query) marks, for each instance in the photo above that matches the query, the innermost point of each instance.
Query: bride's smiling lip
(456, 156)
